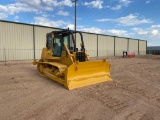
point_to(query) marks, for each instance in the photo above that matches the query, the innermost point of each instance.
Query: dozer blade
(86, 73)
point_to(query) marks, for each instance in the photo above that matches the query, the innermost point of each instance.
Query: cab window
(65, 39)
(49, 41)
(57, 46)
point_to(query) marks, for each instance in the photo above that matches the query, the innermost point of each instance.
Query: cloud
(125, 2)
(34, 6)
(3, 16)
(95, 4)
(140, 31)
(151, 34)
(130, 20)
(155, 26)
(92, 30)
(16, 18)
(155, 32)
(151, 31)
(47, 22)
(70, 26)
(148, 32)
(103, 20)
(117, 7)
(114, 32)
(56, 3)
(12, 9)
(67, 3)
(122, 3)
(148, 1)
(63, 13)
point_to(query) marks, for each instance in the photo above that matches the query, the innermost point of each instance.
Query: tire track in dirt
(68, 113)
(151, 71)
(147, 93)
(141, 93)
(139, 115)
(108, 101)
(136, 73)
(151, 104)
(131, 115)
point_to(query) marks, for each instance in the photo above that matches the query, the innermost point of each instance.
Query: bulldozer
(64, 63)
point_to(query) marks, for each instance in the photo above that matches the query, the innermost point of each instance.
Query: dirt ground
(134, 93)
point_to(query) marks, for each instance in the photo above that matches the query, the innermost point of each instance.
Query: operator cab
(55, 41)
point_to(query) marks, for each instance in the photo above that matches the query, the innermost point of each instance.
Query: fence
(17, 54)
(28, 54)
(154, 52)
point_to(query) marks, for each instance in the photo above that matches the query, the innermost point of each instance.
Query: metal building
(19, 41)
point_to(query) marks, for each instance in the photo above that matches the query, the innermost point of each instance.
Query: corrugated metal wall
(16, 41)
(105, 45)
(121, 44)
(20, 41)
(78, 41)
(90, 42)
(142, 47)
(40, 39)
(133, 45)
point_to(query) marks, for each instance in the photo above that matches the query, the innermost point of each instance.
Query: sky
(138, 19)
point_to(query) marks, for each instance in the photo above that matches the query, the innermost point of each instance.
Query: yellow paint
(71, 73)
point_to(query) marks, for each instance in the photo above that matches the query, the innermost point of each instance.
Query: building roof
(153, 48)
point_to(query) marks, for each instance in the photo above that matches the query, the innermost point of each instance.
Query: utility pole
(75, 16)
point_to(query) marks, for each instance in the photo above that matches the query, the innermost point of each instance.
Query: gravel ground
(134, 93)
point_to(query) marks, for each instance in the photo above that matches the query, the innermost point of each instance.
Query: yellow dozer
(62, 62)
